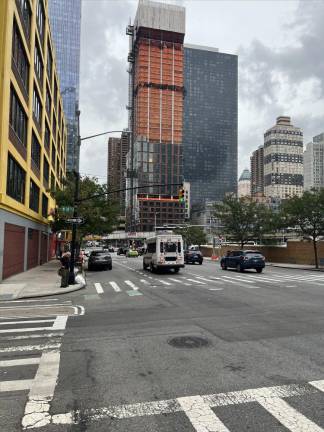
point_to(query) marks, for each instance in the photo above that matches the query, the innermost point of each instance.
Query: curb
(295, 268)
(50, 293)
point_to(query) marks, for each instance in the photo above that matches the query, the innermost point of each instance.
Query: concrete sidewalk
(38, 282)
(296, 266)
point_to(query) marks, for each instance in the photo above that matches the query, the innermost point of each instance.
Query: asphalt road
(203, 350)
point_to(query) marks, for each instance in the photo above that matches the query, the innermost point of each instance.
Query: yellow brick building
(32, 134)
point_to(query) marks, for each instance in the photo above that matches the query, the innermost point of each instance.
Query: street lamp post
(76, 194)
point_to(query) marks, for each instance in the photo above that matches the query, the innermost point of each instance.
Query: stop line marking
(199, 412)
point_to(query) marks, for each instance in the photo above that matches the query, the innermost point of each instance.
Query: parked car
(132, 253)
(122, 251)
(193, 256)
(243, 260)
(99, 259)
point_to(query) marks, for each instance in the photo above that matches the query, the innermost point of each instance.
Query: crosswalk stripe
(15, 385)
(19, 362)
(194, 281)
(288, 416)
(26, 348)
(99, 288)
(205, 279)
(239, 279)
(131, 284)
(115, 286)
(179, 281)
(318, 384)
(27, 322)
(145, 282)
(25, 330)
(35, 336)
(163, 282)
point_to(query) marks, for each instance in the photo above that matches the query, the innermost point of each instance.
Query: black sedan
(193, 256)
(243, 260)
(99, 259)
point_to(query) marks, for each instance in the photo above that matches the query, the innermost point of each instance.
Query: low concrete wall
(300, 252)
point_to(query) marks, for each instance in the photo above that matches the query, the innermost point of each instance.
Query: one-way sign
(75, 220)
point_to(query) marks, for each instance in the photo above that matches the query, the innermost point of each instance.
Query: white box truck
(164, 251)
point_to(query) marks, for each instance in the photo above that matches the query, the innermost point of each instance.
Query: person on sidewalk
(65, 267)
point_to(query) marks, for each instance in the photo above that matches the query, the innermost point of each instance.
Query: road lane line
(15, 385)
(115, 286)
(288, 416)
(131, 284)
(19, 362)
(99, 288)
(215, 289)
(201, 416)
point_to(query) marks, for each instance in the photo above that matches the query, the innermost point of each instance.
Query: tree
(192, 235)
(306, 213)
(100, 213)
(243, 219)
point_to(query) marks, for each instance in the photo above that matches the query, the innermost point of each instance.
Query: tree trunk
(315, 253)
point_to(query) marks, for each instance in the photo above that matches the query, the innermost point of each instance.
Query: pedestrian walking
(65, 267)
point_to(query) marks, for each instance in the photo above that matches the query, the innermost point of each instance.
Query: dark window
(34, 196)
(47, 136)
(55, 95)
(18, 118)
(49, 62)
(151, 248)
(44, 206)
(53, 155)
(19, 56)
(38, 63)
(37, 107)
(46, 170)
(52, 182)
(16, 178)
(26, 15)
(54, 127)
(35, 151)
(48, 101)
(40, 19)
(179, 247)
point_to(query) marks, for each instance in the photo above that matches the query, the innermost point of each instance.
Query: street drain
(188, 342)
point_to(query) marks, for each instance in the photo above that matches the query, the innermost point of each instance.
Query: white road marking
(163, 282)
(15, 385)
(318, 384)
(131, 284)
(242, 279)
(19, 362)
(25, 330)
(193, 280)
(215, 289)
(32, 301)
(60, 322)
(201, 416)
(42, 391)
(115, 286)
(40, 347)
(179, 281)
(35, 336)
(99, 288)
(31, 307)
(188, 404)
(205, 279)
(145, 282)
(27, 322)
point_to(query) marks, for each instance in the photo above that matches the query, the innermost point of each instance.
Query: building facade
(156, 106)
(257, 172)
(65, 22)
(210, 122)
(283, 160)
(244, 184)
(116, 178)
(314, 163)
(32, 135)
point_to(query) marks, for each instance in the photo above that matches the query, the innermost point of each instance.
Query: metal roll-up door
(43, 254)
(14, 250)
(33, 248)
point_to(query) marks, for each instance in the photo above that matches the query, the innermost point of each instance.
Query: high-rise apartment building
(116, 178)
(65, 22)
(32, 135)
(314, 163)
(257, 172)
(244, 184)
(210, 123)
(156, 107)
(283, 160)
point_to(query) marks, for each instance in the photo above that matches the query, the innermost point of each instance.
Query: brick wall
(293, 253)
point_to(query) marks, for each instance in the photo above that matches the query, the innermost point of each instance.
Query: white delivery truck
(164, 251)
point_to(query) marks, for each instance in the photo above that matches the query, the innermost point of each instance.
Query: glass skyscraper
(210, 123)
(65, 21)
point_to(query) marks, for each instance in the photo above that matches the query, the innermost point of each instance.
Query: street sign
(66, 209)
(75, 220)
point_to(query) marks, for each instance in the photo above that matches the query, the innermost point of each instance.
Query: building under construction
(156, 92)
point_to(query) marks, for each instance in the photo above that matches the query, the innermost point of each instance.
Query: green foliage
(244, 220)
(192, 235)
(306, 213)
(99, 212)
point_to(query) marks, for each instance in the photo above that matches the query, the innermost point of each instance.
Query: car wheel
(176, 270)
(239, 268)
(259, 270)
(110, 267)
(152, 268)
(224, 267)
(200, 262)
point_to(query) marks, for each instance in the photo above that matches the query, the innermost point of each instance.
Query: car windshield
(98, 253)
(254, 254)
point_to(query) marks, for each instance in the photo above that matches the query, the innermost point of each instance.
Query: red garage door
(14, 250)
(33, 248)
(43, 254)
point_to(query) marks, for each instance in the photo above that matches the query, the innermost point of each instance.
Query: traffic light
(181, 195)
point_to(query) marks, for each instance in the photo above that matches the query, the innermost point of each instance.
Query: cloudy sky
(280, 45)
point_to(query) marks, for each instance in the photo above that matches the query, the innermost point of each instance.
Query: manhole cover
(188, 342)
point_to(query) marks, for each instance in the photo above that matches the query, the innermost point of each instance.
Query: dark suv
(100, 259)
(243, 260)
(193, 256)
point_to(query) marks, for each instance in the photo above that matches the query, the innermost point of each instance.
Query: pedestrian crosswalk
(215, 282)
(31, 345)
